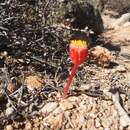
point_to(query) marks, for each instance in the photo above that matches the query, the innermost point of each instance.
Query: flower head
(78, 51)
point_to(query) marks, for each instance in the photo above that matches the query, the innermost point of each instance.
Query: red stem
(73, 71)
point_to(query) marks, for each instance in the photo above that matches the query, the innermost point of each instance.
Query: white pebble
(9, 127)
(49, 107)
(9, 111)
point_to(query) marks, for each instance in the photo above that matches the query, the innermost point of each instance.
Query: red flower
(78, 54)
(78, 51)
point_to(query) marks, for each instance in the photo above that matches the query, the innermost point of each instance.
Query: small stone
(28, 126)
(125, 121)
(127, 24)
(58, 110)
(66, 105)
(84, 87)
(16, 125)
(9, 127)
(49, 107)
(97, 123)
(82, 119)
(122, 20)
(121, 68)
(9, 111)
(4, 53)
(106, 128)
(101, 128)
(53, 121)
(105, 123)
(73, 98)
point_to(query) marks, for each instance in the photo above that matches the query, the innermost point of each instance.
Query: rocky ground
(30, 87)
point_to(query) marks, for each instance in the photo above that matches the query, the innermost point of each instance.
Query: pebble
(105, 123)
(106, 128)
(84, 87)
(9, 127)
(121, 68)
(49, 107)
(58, 110)
(73, 98)
(127, 24)
(4, 53)
(82, 119)
(67, 105)
(9, 111)
(28, 126)
(97, 123)
(122, 20)
(53, 121)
